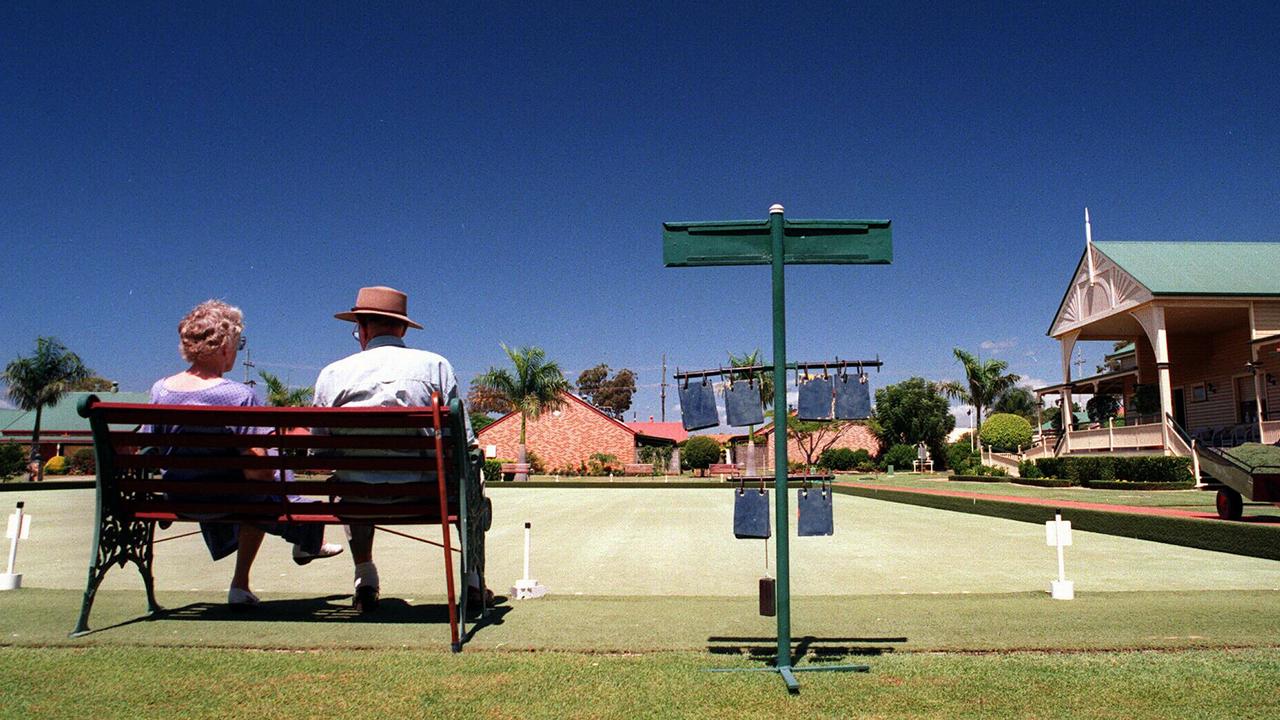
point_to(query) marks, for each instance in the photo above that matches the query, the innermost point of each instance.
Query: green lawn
(142, 682)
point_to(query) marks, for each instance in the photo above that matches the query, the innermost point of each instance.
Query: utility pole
(664, 387)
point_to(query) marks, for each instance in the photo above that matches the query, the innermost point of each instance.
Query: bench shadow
(326, 609)
(817, 650)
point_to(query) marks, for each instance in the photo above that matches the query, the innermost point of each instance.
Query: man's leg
(360, 538)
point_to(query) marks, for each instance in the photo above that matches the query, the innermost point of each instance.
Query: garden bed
(980, 478)
(1042, 482)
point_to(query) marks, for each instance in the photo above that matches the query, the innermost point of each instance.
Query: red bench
(133, 496)
(729, 469)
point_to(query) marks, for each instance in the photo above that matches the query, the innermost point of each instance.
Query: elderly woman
(210, 335)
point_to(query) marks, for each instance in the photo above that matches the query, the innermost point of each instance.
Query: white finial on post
(1088, 244)
(775, 208)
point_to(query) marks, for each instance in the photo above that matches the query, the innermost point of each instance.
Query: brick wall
(563, 441)
(854, 436)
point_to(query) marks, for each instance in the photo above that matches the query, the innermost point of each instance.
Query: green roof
(1199, 268)
(1125, 349)
(62, 417)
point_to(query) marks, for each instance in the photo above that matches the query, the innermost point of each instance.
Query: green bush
(13, 460)
(82, 461)
(535, 463)
(57, 465)
(1106, 469)
(603, 464)
(698, 452)
(1004, 432)
(868, 466)
(900, 456)
(842, 458)
(657, 455)
(961, 455)
(493, 469)
(1028, 469)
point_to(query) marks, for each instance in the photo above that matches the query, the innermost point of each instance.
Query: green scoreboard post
(779, 242)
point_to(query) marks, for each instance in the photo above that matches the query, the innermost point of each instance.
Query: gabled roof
(673, 431)
(570, 397)
(1199, 268)
(62, 418)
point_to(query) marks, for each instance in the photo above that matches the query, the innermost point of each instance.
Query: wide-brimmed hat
(380, 300)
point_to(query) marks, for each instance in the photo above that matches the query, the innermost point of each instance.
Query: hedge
(1042, 482)
(1130, 485)
(1141, 468)
(979, 478)
(1238, 538)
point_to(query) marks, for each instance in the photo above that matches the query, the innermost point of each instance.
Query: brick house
(62, 430)
(567, 438)
(853, 435)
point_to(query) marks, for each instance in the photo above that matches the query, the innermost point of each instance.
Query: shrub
(899, 456)
(1028, 469)
(699, 452)
(842, 458)
(82, 461)
(1106, 469)
(493, 469)
(603, 464)
(960, 455)
(658, 455)
(13, 460)
(1004, 432)
(535, 463)
(57, 465)
(868, 466)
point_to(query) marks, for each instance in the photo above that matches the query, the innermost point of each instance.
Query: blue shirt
(386, 374)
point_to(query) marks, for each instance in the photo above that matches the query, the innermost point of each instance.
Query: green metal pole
(782, 514)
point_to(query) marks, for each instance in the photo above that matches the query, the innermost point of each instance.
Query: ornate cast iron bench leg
(117, 542)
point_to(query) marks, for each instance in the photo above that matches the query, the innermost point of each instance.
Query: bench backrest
(135, 443)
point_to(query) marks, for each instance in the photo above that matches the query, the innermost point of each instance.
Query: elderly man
(385, 373)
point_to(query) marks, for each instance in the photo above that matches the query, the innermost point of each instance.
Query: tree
(699, 451)
(485, 400)
(1018, 401)
(764, 381)
(93, 383)
(911, 412)
(814, 437)
(534, 387)
(281, 395)
(1102, 407)
(41, 380)
(480, 421)
(984, 382)
(1005, 432)
(613, 395)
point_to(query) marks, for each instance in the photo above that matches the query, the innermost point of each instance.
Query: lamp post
(973, 436)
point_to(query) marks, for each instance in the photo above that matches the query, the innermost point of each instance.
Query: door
(1179, 408)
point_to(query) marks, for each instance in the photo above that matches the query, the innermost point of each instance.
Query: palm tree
(985, 381)
(764, 380)
(533, 388)
(281, 395)
(41, 380)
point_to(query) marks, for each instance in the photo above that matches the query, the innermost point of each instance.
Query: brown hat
(380, 300)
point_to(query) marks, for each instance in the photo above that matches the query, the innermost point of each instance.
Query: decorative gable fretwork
(1113, 290)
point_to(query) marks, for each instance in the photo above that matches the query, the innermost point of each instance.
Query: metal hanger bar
(769, 368)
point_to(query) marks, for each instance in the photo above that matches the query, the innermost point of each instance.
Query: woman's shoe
(327, 550)
(238, 598)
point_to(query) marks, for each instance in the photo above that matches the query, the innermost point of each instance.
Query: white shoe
(238, 598)
(327, 550)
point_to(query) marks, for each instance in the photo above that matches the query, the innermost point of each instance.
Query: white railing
(1128, 437)
(1007, 461)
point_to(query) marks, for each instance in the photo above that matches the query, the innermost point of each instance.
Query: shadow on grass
(815, 649)
(327, 609)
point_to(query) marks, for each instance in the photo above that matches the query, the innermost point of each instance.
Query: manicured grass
(1255, 455)
(157, 682)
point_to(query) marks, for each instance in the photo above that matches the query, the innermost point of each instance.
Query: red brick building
(854, 435)
(567, 438)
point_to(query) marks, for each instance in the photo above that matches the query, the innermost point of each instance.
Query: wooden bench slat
(298, 487)
(309, 518)
(261, 416)
(403, 513)
(278, 462)
(292, 442)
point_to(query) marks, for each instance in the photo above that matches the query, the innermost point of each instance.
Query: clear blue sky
(510, 167)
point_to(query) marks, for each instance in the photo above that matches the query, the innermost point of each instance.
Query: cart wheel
(1230, 504)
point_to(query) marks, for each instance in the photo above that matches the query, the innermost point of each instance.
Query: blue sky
(510, 167)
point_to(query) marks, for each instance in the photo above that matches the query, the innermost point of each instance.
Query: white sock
(367, 574)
